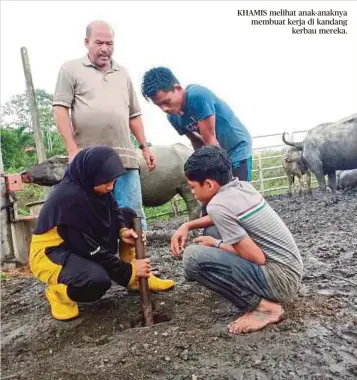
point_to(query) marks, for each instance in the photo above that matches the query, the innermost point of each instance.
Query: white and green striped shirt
(238, 211)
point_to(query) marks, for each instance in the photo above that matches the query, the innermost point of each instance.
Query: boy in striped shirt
(247, 255)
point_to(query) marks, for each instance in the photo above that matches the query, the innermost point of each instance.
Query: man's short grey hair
(96, 22)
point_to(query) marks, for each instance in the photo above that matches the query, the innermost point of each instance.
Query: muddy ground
(317, 339)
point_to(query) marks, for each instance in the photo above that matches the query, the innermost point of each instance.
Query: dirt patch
(316, 340)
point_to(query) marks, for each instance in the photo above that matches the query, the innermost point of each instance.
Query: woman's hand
(143, 268)
(128, 236)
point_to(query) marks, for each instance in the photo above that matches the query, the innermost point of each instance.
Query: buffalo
(327, 148)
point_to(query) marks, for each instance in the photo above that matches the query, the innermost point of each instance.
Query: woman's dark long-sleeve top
(80, 243)
(77, 219)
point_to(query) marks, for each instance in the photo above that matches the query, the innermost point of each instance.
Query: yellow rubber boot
(127, 254)
(62, 307)
(155, 284)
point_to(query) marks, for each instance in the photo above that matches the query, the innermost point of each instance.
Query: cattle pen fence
(268, 174)
(276, 180)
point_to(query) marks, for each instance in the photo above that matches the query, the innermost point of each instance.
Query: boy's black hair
(209, 162)
(157, 79)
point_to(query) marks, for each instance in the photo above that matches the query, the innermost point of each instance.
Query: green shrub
(31, 193)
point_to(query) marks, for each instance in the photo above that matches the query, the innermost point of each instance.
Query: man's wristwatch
(217, 243)
(143, 145)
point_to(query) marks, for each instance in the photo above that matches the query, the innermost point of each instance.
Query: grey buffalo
(329, 147)
(295, 166)
(347, 180)
(158, 186)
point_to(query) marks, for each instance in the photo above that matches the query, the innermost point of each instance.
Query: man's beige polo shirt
(101, 105)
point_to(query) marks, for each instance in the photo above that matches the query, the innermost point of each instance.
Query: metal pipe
(143, 282)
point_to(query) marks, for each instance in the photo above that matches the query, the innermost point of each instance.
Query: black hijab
(73, 201)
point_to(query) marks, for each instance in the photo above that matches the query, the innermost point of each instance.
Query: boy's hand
(207, 241)
(143, 268)
(179, 240)
(129, 235)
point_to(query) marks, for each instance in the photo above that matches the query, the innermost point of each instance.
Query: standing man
(205, 119)
(95, 104)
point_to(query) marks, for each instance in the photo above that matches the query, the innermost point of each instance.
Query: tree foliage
(17, 138)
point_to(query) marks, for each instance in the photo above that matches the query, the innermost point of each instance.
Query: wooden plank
(7, 249)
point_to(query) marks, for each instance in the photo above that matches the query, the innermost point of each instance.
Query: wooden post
(41, 154)
(174, 206)
(260, 172)
(7, 249)
(143, 282)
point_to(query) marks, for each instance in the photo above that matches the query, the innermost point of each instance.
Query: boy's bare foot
(264, 314)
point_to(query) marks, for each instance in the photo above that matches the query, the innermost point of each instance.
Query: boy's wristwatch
(217, 243)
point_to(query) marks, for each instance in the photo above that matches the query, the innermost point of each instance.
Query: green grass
(157, 212)
(151, 212)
